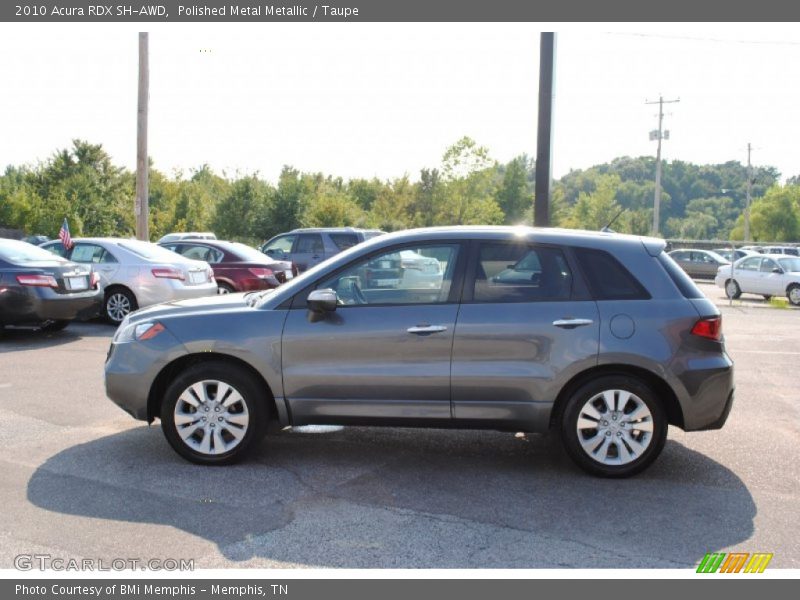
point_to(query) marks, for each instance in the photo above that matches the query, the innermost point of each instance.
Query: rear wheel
(213, 412)
(732, 289)
(225, 288)
(118, 304)
(614, 426)
(793, 294)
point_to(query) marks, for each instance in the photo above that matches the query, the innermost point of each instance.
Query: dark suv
(308, 247)
(599, 336)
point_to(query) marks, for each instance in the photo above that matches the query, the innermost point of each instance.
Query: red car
(237, 267)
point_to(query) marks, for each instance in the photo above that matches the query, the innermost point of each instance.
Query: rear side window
(608, 279)
(310, 242)
(509, 272)
(679, 277)
(344, 241)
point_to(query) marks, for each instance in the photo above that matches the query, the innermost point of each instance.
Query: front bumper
(131, 370)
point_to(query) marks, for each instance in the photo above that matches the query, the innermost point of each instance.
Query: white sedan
(763, 275)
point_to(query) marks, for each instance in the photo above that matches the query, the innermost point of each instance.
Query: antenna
(607, 228)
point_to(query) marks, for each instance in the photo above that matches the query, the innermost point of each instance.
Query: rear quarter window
(608, 279)
(679, 277)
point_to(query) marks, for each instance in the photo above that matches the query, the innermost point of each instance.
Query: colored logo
(734, 562)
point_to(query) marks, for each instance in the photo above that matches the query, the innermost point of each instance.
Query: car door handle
(424, 329)
(572, 323)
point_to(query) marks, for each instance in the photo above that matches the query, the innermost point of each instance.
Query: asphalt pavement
(81, 479)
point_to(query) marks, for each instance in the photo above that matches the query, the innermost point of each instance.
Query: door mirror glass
(777, 271)
(322, 301)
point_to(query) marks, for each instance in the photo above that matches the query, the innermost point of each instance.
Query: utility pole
(142, 206)
(544, 136)
(749, 193)
(659, 134)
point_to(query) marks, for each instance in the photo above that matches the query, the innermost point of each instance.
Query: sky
(384, 100)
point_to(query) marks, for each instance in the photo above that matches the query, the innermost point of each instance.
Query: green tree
(596, 209)
(773, 218)
(470, 186)
(513, 196)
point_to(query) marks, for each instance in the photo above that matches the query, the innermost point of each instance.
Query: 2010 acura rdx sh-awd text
(601, 337)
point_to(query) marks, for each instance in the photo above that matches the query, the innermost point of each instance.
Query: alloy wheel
(118, 306)
(211, 417)
(615, 427)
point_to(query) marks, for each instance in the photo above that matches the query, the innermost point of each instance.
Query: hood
(209, 304)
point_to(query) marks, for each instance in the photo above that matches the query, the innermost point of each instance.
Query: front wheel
(614, 426)
(213, 412)
(793, 294)
(732, 289)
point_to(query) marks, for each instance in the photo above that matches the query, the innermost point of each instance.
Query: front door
(383, 354)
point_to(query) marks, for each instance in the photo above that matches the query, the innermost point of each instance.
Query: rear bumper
(35, 305)
(709, 388)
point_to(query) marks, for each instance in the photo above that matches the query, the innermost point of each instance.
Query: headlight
(138, 331)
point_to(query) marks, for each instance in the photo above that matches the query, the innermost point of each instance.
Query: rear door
(520, 335)
(308, 251)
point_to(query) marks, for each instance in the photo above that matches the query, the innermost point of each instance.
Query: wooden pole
(142, 207)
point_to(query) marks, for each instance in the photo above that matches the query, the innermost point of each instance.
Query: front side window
(767, 265)
(279, 248)
(407, 275)
(521, 273)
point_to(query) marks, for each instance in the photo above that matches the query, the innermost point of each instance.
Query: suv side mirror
(323, 301)
(777, 271)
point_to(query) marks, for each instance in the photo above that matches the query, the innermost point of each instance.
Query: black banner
(399, 10)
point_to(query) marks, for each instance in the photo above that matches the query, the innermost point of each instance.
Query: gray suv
(306, 248)
(599, 336)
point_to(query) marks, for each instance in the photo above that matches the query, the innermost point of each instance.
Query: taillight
(260, 272)
(94, 279)
(168, 273)
(38, 280)
(710, 328)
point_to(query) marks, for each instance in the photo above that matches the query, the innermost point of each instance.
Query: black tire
(737, 291)
(793, 294)
(225, 288)
(253, 406)
(573, 440)
(52, 326)
(114, 310)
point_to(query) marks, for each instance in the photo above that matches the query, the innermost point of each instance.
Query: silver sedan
(136, 274)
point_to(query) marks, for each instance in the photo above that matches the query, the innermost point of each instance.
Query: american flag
(64, 236)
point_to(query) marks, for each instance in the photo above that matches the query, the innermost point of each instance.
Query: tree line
(83, 184)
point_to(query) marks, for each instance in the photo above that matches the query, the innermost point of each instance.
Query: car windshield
(245, 252)
(149, 251)
(790, 265)
(22, 252)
